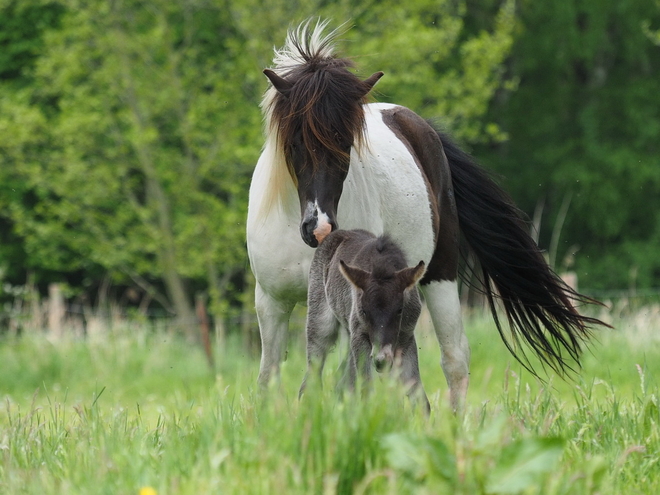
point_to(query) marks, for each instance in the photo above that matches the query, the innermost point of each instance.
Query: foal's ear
(356, 276)
(410, 276)
(280, 84)
(371, 81)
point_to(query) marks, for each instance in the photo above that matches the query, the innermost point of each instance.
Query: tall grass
(142, 409)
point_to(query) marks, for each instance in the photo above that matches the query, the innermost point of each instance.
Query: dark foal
(362, 283)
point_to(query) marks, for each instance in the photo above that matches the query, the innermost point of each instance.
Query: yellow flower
(147, 490)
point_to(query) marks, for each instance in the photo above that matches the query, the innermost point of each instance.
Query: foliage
(137, 144)
(128, 129)
(583, 124)
(443, 71)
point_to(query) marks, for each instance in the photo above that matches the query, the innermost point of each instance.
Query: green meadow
(140, 412)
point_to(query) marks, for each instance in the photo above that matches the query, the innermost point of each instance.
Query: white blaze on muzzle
(323, 225)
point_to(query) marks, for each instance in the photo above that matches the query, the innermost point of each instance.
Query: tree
(129, 129)
(143, 145)
(432, 64)
(583, 124)
(22, 25)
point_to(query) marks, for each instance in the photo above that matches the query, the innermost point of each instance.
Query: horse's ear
(280, 84)
(356, 276)
(371, 81)
(410, 276)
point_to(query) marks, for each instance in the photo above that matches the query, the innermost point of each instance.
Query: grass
(139, 412)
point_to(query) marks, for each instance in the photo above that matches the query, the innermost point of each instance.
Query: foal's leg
(409, 373)
(445, 308)
(322, 331)
(273, 316)
(359, 362)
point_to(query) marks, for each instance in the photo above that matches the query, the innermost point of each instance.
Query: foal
(362, 283)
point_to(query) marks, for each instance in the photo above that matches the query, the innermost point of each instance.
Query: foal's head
(383, 300)
(317, 114)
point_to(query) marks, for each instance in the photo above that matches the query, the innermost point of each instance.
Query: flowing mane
(323, 105)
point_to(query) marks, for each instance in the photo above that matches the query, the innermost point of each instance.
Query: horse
(332, 158)
(362, 283)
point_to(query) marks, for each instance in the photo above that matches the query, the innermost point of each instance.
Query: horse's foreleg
(273, 316)
(445, 308)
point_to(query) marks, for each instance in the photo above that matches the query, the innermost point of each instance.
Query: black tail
(539, 306)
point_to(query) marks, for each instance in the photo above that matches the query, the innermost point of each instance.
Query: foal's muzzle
(384, 359)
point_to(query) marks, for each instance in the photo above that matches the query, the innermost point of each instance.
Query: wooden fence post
(55, 312)
(202, 317)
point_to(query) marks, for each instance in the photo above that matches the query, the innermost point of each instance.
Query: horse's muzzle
(315, 226)
(307, 228)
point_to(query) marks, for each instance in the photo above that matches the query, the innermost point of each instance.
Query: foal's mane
(324, 104)
(389, 257)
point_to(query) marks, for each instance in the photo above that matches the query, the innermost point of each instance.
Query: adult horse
(332, 159)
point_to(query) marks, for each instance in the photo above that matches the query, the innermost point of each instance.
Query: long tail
(539, 306)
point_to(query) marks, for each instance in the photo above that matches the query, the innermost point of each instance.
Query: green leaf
(404, 454)
(420, 457)
(523, 463)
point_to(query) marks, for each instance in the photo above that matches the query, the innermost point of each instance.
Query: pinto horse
(333, 159)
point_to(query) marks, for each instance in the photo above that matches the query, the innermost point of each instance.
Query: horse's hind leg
(273, 316)
(445, 308)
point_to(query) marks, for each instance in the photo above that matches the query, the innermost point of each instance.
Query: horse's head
(383, 300)
(318, 116)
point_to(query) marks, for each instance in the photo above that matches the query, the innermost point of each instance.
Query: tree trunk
(157, 200)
